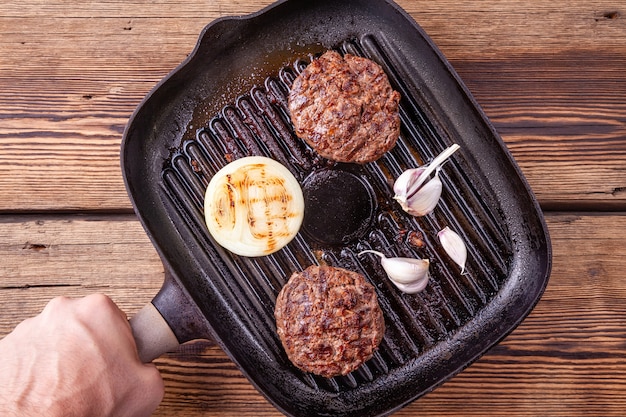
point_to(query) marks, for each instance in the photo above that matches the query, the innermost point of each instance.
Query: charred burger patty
(345, 108)
(329, 320)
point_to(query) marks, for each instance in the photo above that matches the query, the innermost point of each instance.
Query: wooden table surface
(550, 75)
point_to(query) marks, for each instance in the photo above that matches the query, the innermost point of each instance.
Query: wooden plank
(550, 76)
(489, 28)
(177, 9)
(74, 255)
(564, 120)
(565, 359)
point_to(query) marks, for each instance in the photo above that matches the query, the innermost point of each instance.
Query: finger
(155, 387)
(101, 303)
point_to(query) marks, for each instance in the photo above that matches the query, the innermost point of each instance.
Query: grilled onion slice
(253, 206)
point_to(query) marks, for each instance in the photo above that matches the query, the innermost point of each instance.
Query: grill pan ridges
(255, 126)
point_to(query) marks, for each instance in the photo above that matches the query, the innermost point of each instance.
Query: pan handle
(152, 334)
(172, 318)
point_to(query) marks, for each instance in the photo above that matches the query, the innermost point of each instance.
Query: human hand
(76, 358)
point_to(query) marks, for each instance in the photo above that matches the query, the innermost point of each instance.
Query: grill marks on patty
(329, 320)
(345, 108)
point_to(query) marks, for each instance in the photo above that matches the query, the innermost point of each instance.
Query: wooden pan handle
(172, 318)
(152, 334)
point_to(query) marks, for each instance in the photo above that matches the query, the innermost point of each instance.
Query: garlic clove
(405, 273)
(414, 287)
(416, 192)
(407, 183)
(426, 199)
(454, 246)
(405, 270)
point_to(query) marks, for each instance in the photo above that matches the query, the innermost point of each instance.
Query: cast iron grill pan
(429, 336)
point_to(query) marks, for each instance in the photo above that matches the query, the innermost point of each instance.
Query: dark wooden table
(550, 75)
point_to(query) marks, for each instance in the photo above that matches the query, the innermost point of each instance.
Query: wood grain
(73, 255)
(549, 75)
(566, 358)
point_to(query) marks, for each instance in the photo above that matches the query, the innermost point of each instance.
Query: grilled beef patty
(329, 320)
(345, 108)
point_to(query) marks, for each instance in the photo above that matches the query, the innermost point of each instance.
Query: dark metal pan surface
(228, 100)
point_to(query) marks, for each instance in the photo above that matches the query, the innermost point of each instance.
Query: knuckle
(57, 303)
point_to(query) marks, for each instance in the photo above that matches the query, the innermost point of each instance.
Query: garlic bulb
(253, 206)
(415, 191)
(454, 246)
(408, 274)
